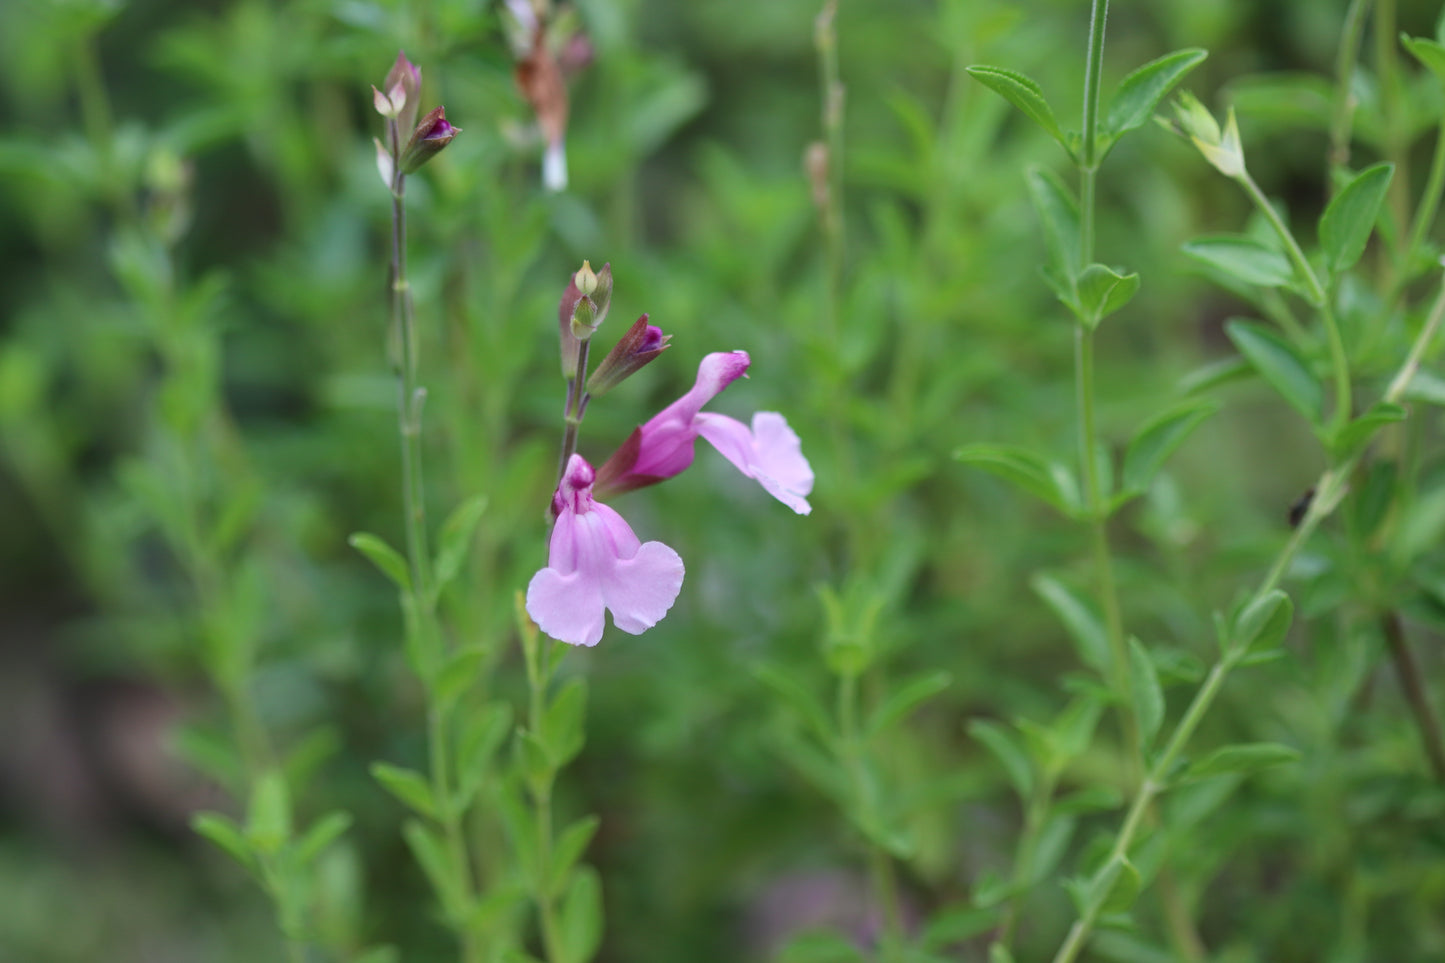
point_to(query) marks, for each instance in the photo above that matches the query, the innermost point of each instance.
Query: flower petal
(770, 453)
(569, 608)
(641, 589)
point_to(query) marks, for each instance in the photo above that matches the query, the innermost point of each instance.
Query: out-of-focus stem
(1346, 59)
(1415, 694)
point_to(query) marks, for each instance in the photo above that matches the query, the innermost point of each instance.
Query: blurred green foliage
(196, 410)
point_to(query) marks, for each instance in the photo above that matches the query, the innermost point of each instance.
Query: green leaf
(798, 697)
(482, 731)
(268, 817)
(999, 953)
(582, 916)
(384, 557)
(225, 833)
(569, 848)
(1047, 481)
(1430, 53)
(1242, 258)
(1072, 731)
(563, 723)
(1262, 625)
(1349, 219)
(458, 674)
(821, 946)
(1024, 94)
(1158, 439)
(437, 864)
(1140, 93)
(1058, 212)
(1115, 887)
(1281, 366)
(1102, 291)
(1147, 694)
(322, 833)
(1357, 434)
(1246, 758)
(1214, 374)
(455, 538)
(1005, 747)
(957, 923)
(407, 785)
(1083, 625)
(905, 698)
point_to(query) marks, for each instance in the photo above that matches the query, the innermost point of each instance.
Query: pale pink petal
(641, 589)
(771, 454)
(569, 608)
(714, 373)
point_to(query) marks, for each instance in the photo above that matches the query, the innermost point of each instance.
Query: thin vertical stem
(1346, 60)
(1415, 693)
(421, 618)
(1387, 69)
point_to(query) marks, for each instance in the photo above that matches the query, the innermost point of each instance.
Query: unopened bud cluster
(399, 101)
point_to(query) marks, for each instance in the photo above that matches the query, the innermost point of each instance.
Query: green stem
(539, 661)
(1328, 491)
(1387, 69)
(825, 38)
(1084, 386)
(1339, 363)
(1346, 60)
(422, 605)
(1415, 692)
(1034, 816)
(576, 407)
(1425, 213)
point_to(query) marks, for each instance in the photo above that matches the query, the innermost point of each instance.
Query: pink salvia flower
(769, 453)
(595, 563)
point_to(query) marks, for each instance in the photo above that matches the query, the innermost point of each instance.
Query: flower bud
(585, 279)
(585, 318)
(385, 166)
(403, 86)
(430, 136)
(637, 347)
(571, 347)
(1223, 150)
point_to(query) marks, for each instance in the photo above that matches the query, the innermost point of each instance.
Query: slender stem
(1034, 815)
(421, 615)
(575, 408)
(825, 37)
(1329, 489)
(1415, 693)
(1387, 70)
(538, 660)
(1346, 60)
(1429, 204)
(1084, 385)
(1339, 362)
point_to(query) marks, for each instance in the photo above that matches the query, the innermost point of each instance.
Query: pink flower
(596, 563)
(769, 452)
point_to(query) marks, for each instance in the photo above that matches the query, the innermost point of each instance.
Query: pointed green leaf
(436, 863)
(1245, 758)
(223, 831)
(1148, 695)
(1426, 386)
(956, 923)
(456, 537)
(569, 848)
(322, 833)
(999, 953)
(1242, 258)
(563, 723)
(821, 946)
(1005, 747)
(1023, 93)
(905, 699)
(384, 557)
(1262, 625)
(1058, 212)
(1158, 439)
(1357, 434)
(1430, 53)
(407, 785)
(1083, 624)
(1048, 481)
(482, 731)
(582, 916)
(1102, 291)
(1140, 92)
(1214, 374)
(1281, 366)
(458, 674)
(1115, 887)
(1349, 219)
